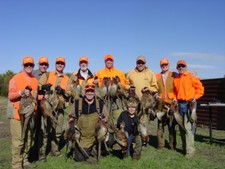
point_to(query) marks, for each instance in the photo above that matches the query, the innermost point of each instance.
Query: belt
(182, 101)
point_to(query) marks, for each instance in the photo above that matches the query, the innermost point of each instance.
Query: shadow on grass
(206, 139)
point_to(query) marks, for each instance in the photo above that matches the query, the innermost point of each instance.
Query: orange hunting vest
(55, 80)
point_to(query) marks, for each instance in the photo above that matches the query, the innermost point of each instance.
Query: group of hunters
(108, 111)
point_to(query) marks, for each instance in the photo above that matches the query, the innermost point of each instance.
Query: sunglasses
(181, 66)
(164, 65)
(29, 64)
(140, 62)
(60, 63)
(43, 64)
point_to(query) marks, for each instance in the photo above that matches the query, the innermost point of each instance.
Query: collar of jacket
(59, 74)
(90, 75)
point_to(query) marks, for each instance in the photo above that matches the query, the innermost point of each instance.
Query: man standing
(187, 89)
(22, 86)
(114, 105)
(56, 79)
(39, 119)
(80, 78)
(165, 83)
(43, 66)
(110, 71)
(141, 76)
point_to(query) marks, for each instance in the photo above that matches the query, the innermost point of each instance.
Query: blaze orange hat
(89, 86)
(164, 61)
(142, 58)
(109, 56)
(83, 59)
(28, 59)
(181, 62)
(60, 59)
(43, 59)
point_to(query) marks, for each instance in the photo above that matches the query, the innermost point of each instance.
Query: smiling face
(164, 67)
(89, 94)
(181, 68)
(109, 63)
(132, 111)
(60, 66)
(43, 67)
(28, 68)
(83, 65)
(140, 65)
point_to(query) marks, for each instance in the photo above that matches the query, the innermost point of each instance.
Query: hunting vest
(88, 116)
(166, 91)
(21, 81)
(90, 78)
(56, 80)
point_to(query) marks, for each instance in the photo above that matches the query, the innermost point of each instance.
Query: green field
(207, 156)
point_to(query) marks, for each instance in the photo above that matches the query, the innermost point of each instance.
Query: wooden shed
(214, 92)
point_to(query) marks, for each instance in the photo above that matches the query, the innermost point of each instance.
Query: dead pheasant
(147, 102)
(174, 110)
(101, 133)
(26, 110)
(143, 129)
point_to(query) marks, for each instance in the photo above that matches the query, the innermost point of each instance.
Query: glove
(60, 90)
(46, 87)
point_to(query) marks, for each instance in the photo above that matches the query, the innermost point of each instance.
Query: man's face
(140, 65)
(181, 68)
(83, 65)
(109, 63)
(164, 67)
(60, 66)
(89, 94)
(28, 68)
(43, 67)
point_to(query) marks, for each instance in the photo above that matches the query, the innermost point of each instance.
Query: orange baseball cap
(89, 86)
(142, 58)
(181, 62)
(83, 59)
(109, 57)
(164, 61)
(60, 59)
(43, 59)
(28, 59)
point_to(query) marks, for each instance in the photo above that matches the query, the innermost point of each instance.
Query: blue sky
(193, 30)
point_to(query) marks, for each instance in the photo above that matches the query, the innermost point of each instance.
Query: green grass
(208, 156)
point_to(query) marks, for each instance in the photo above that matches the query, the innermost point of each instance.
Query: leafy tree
(4, 82)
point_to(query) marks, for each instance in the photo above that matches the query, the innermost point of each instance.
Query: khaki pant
(20, 148)
(188, 137)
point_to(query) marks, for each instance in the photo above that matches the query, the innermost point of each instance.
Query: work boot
(56, 153)
(29, 165)
(42, 158)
